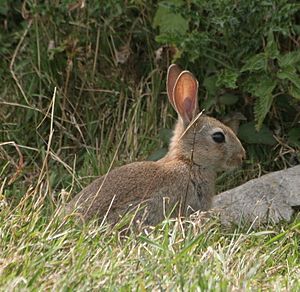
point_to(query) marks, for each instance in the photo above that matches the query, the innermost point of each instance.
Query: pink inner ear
(188, 106)
(185, 96)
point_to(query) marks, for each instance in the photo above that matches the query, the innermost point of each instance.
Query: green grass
(39, 253)
(68, 113)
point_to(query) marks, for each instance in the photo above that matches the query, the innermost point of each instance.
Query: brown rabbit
(180, 183)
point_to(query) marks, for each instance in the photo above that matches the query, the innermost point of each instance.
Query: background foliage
(247, 56)
(83, 89)
(108, 61)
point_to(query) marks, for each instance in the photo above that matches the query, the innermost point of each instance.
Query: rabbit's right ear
(185, 95)
(172, 75)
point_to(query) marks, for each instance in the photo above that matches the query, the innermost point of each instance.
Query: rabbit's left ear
(172, 75)
(185, 95)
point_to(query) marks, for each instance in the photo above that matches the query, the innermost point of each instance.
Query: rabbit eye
(218, 137)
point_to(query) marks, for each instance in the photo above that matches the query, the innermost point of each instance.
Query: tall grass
(42, 253)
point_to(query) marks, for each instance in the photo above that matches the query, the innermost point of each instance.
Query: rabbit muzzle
(237, 159)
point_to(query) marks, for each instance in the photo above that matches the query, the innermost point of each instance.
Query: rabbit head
(203, 140)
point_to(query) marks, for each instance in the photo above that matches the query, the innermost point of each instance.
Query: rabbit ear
(185, 95)
(172, 75)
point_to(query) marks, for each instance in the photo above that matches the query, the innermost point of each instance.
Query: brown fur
(182, 182)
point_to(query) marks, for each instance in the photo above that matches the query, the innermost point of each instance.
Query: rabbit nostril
(243, 157)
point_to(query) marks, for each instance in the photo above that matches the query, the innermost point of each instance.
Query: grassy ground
(40, 253)
(69, 109)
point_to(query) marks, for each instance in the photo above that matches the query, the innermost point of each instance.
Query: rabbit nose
(242, 155)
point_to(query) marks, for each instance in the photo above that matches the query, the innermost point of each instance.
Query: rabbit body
(160, 185)
(178, 184)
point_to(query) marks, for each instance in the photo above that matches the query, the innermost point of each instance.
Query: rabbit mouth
(232, 166)
(234, 163)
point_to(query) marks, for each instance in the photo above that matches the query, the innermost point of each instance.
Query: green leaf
(264, 100)
(271, 49)
(168, 20)
(293, 77)
(294, 136)
(289, 59)
(261, 109)
(286, 70)
(294, 91)
(227, 78)
(249, 134)
(255, 63)
(228, 99)
(210, 83)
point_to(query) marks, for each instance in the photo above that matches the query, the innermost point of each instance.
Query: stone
(268, 199)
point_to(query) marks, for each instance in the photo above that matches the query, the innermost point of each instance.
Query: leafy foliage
(108, 63)
(248, 133)
(250, 47)
(170, 22)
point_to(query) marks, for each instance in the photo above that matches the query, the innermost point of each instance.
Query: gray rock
(270, 198)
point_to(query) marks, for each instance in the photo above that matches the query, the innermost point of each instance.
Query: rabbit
(180, 183)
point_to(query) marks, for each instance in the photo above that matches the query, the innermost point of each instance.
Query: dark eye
(218, 137)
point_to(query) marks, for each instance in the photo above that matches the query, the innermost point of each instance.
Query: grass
(39, 253)
(68, 111)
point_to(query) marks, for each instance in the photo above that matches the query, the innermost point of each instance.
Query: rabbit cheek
(219, 159)
(223, 159)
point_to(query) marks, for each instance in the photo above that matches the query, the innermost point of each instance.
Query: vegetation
(83, 89)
